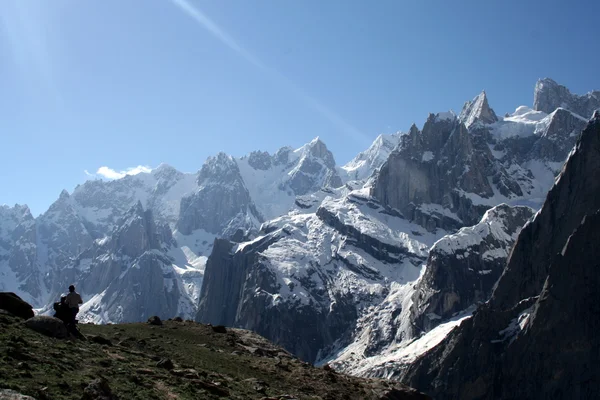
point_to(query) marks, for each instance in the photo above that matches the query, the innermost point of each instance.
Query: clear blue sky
(122, 83)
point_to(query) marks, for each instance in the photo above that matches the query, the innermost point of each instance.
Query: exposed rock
(545, 304)
(549, 96)
(165, 363)
(221, 204)
(411, 176)
(15, 305)
(477, 110)
(219, 329)
(48, 326)
(285, 287)
(155, 320)
(463, 268)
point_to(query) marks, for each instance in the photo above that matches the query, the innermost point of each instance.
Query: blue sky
(120, 84)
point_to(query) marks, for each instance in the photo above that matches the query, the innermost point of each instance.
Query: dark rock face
(260, 160)
(549, 95)
(559, 137)
(15, 305)
(433, 166)
(235, 292)
(464, 165)
(48, 326)
(463, 268)
(221, 204)
(536, 337)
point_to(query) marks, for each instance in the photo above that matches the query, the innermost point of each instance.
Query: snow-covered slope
(460, 272)
(366, 162)
(274, 181)
(306, 278)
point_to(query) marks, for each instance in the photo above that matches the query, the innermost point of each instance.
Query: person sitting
(73, 301)
(62, 310)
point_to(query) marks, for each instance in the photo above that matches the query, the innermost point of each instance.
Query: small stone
(165, 363)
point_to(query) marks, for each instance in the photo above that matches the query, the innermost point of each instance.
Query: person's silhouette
(73, 301)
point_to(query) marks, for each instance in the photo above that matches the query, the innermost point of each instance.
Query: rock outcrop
(549, 96)
(221, 204)
(304, 280)
(535, 338)
(15, 305)
(48, 326)
(463, 268)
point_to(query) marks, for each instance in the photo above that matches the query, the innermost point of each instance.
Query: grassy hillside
(133, 361)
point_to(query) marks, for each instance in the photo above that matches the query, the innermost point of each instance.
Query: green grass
(207, 365)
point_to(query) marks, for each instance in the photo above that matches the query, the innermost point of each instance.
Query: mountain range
(367, 266)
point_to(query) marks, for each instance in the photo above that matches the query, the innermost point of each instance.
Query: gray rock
(221, 204)
(15, 305)
(463, 268)
(549, 96)
(48, 326)
(154, 320)
(165, 363)
(477, 111)
(536, 337)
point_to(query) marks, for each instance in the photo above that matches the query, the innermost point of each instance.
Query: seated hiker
(73, 301)
(62, 310)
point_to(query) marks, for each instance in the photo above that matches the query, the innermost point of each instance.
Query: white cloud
(109, 173)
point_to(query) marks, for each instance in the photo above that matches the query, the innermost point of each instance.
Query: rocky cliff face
(462, 268)
(129, 275)
(549, 96)
(544, 304)
(468, 164)
(307, 277)
(460, 272)
(221, 204)
(18, 253)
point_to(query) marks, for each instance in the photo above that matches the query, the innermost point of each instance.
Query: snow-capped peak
(477, 110)
(446, 115)
(366, 162)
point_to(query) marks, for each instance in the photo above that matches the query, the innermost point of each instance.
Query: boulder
(155, 321)
(15, 305)
(219, 329)
(48, 326)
